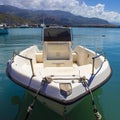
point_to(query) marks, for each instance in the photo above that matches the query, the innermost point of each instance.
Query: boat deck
(76, 70)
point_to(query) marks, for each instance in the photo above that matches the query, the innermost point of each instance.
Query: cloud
(99, 12)
(77, 7)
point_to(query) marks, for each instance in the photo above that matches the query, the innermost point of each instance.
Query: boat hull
(60, 107)
(55, 106)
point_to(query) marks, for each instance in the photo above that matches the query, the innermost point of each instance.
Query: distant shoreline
(80, 26)
(99, 26)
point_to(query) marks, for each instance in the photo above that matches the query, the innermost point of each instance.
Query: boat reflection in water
(83, 111)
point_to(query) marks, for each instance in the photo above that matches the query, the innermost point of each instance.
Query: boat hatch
(65, 89)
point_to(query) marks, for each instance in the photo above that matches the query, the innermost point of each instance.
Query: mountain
(12, 19)
(49, 16)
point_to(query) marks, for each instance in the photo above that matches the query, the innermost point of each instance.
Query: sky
(104, 9)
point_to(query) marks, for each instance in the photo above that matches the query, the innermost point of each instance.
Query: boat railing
(94, 60)
(27, 58)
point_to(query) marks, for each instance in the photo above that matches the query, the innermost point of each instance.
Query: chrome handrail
(30, 59)
(94, 57)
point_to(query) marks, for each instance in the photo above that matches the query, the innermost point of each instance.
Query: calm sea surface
(14, 100)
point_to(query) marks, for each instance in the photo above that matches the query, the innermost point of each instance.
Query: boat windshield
(57, 34)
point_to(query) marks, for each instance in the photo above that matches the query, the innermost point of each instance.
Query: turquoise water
(14, 100)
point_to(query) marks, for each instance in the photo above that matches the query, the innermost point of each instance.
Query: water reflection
(83, 111)
(39, 111)
(3, 39)
(15, 100)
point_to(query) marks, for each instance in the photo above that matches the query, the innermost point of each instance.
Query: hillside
(12, 19)
(14, 15)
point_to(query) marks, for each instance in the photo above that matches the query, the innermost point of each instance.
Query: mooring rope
(96, 112)
(82, 80)
(31, 106)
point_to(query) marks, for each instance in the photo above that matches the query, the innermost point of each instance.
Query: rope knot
(98, 115)
(47, 79)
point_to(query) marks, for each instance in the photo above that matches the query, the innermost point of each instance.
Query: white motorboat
(60, 75)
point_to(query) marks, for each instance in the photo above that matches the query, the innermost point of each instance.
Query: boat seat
(39, 57)
(57, 54)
